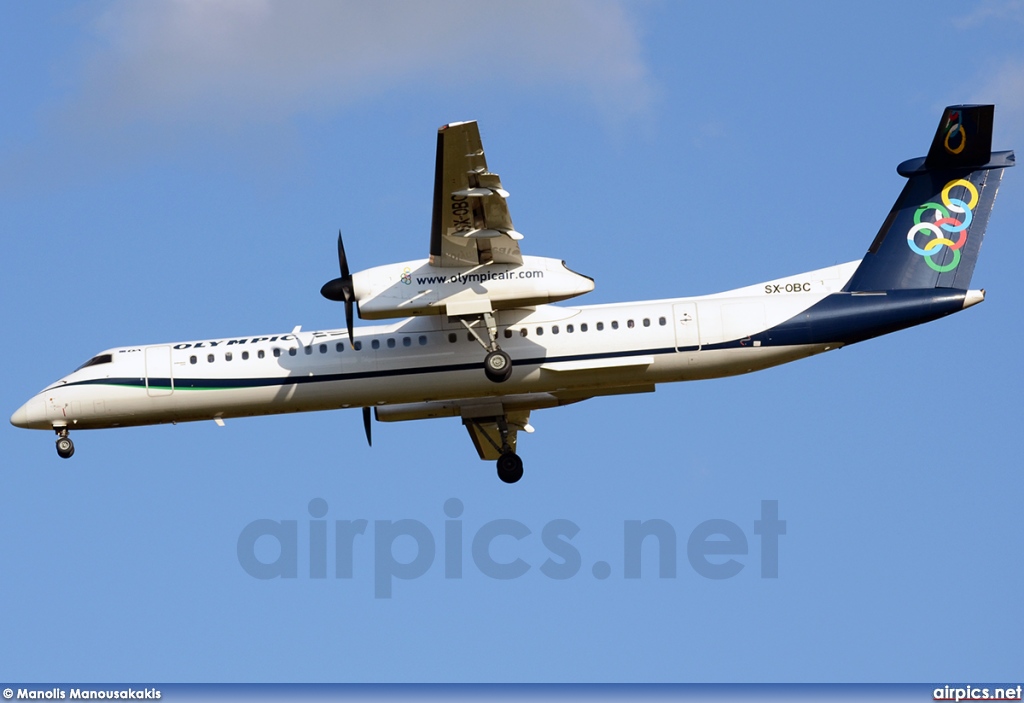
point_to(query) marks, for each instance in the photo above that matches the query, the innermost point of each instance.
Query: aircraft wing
(471, 224)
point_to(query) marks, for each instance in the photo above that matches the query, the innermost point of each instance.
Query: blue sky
(179, 170)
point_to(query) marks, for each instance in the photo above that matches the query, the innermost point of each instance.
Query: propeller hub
(339, 289)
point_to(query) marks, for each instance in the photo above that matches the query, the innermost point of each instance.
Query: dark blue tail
(933, 234)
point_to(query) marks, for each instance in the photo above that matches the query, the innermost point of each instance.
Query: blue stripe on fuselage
(847, 318)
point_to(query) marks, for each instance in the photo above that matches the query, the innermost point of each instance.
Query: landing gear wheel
(65, 447)
(497, 366)
(510, 467)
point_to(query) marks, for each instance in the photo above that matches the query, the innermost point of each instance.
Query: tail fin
(933, 233)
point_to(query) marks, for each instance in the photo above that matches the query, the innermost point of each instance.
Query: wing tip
(454, 124)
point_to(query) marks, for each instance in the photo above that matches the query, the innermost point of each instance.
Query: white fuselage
(586, 351)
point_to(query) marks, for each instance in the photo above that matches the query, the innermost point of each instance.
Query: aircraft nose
(20, 416)
(31, 415)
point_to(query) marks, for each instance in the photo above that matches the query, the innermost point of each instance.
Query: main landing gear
(65, 447)
(510, 466)
(497, 364)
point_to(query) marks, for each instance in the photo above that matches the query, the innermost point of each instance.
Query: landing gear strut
(497, 364)
(65, 447)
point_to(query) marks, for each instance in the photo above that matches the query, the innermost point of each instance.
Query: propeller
(340, 289)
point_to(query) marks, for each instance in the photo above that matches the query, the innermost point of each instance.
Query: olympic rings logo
(951, 131)
(407, 275)
(945, 224)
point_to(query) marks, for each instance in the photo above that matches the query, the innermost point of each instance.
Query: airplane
(474, 331)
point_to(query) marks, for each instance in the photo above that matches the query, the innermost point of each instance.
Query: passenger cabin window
(661, 321)
(228, 356)
(583, 327)
(375, 344)
(339, 347)
(569, 329)
(292, 351)
(600, 326)
(423, 340)
(357, 345)
(647, 322)
(245, 356)
(615, 324)
(96, 361)
(323, 348)
(406, 342)
(192, 359)
(260, 354)
(277, 352)
(391, 342)
(209, 358)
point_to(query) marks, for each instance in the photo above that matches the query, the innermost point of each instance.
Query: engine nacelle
(417, 288)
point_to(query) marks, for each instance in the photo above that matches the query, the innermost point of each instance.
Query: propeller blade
(340, 290)
(366, 425)
(348, 321)
(342, 259)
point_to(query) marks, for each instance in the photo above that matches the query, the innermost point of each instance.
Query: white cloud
(261, 60)
(1004, 87)
(992, 10)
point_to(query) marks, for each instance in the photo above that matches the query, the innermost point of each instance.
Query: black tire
(510, 467)
(498, 366)
(65, 447)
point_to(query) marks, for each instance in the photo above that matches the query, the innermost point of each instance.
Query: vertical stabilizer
(933, 234)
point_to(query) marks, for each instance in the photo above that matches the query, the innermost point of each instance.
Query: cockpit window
(96, 361)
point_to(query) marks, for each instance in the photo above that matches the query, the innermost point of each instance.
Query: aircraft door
(159, 380)
(687, 326)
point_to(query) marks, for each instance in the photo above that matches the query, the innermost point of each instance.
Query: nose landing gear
(65, 447)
